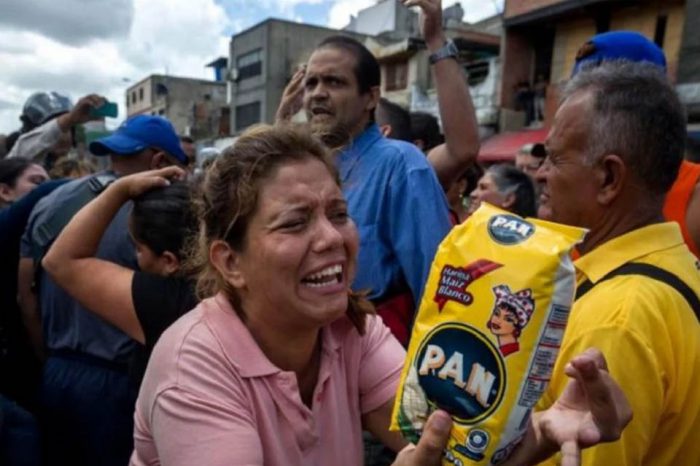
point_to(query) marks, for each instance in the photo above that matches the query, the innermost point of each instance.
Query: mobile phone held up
(108, 109)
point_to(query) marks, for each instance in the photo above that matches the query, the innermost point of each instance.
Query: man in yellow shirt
(613, 152)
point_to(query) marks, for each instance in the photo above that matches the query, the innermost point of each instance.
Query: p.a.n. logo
(461, 371)
(509, 229)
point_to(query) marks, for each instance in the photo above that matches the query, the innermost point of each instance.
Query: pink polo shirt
(210, 396)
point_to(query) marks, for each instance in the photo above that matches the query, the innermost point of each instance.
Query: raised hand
(81, 112)
(134, 185)
(430, 21)
(592, 409)
(292, 98)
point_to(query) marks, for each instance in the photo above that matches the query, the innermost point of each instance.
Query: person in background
(72, 168)
(48, 121)
(280, 364)
(426, 131)
(540, 97)
(189, 148)
(393, 120)
(530, 157)
(17, 178)
(682, 203)
(525, 100)
(506, 187)
(22, 184)
(86, 394)
(141, 303)
(391, 189)
(614, 150)
(458, 194)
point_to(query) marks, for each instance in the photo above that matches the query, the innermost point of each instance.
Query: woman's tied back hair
(229, 199)
(163, 219)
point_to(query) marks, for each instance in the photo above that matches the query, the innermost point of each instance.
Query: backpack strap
(653, 272)
(49, 228)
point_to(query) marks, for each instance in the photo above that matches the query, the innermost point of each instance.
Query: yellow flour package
(487, 332)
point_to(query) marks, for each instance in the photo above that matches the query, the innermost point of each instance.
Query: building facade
(262, 60)
(542, 38)
(196, 107)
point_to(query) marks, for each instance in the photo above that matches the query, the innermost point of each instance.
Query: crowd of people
(256, 310)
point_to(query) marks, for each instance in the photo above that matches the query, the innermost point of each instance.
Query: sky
(78, 47)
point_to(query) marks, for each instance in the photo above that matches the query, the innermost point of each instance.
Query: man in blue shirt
(393, 194)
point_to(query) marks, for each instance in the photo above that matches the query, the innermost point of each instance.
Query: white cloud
(341, 10)
(177, 36)
(69, 21)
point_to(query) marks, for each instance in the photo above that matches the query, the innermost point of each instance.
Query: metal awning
(503, 146)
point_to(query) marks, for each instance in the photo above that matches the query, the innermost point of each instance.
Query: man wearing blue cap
(682, 203)
(614, 151)
(86, 395)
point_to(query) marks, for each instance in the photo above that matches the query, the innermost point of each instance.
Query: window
(133, 97)
(247, 115)
(140, 94)
(477, 72)
(660, 32)
(396, 76)
(249, 64)
(161, 89)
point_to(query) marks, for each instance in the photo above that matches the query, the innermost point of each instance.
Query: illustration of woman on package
(511, 313)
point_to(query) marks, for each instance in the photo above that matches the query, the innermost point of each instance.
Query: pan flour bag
(487, 332)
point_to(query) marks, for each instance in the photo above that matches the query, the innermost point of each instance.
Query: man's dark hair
(11, 169)
(425, 127)
(389, 113)
(367, 70)
(510, 180)
(187, 139)
(636, 115)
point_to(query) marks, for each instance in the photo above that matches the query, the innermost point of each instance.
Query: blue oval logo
(461, 371)
(509, 229)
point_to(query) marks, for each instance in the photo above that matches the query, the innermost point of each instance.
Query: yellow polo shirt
(651, 341)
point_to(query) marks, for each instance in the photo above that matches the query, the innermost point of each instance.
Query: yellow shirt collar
(628, 247)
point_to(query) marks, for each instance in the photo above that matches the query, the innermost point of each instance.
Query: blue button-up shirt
(400, 210)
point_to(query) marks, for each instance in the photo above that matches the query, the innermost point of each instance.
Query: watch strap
(449, 50)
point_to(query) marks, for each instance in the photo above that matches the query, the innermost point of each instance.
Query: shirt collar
(364, 140)
(627, 248)
(239, 345)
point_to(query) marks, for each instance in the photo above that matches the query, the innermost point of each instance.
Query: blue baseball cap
(139, 133)
(619, 45)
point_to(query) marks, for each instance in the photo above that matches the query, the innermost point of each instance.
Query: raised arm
(102, 286)
(41, 139)
(457, 114)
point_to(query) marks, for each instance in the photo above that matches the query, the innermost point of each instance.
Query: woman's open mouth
(327, 277)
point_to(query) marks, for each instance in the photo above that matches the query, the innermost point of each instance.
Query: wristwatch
(449, 50)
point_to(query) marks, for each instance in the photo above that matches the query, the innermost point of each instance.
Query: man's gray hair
(636, 115)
